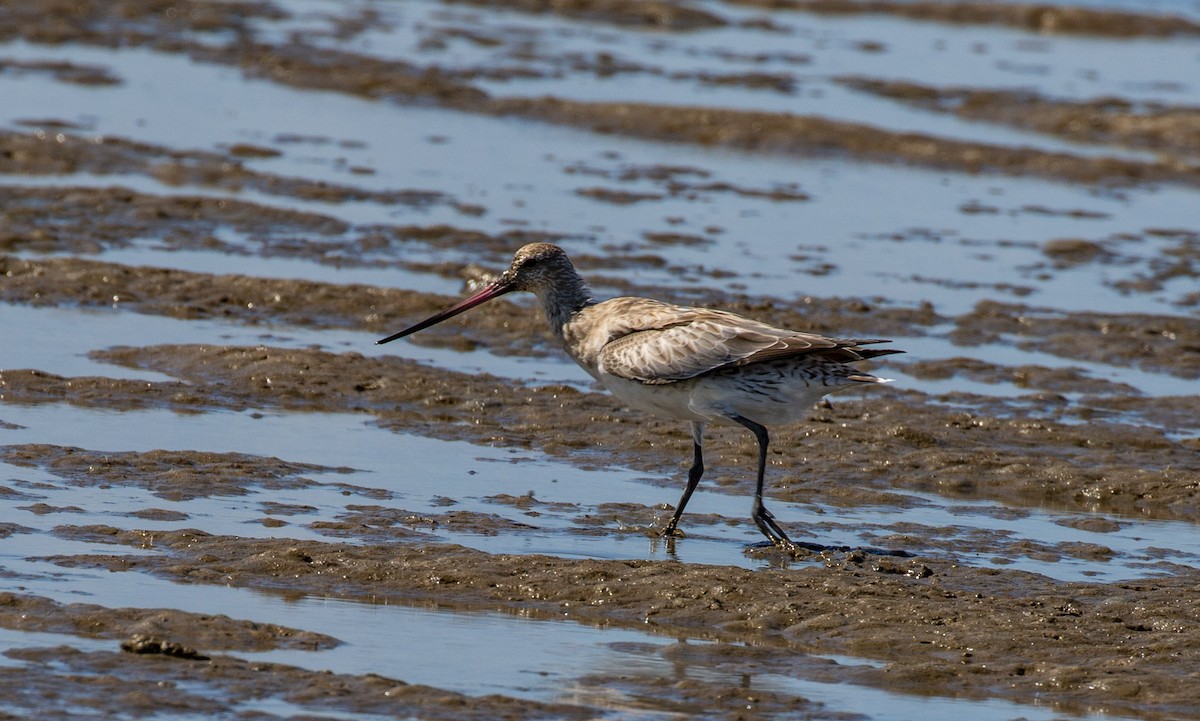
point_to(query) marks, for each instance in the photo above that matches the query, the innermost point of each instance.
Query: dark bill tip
(491, 291)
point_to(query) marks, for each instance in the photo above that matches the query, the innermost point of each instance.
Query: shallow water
(896, 235)
(521, 180)
(420, 475)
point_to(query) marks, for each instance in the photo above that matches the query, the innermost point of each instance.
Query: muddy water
(221, 500)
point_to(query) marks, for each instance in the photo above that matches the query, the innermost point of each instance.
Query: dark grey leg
(762, 517)
(694, 474)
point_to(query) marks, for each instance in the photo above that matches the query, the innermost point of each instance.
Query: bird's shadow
(798, 550)
(819, 548)
(799, 547)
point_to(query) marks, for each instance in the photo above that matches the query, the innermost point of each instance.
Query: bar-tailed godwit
(691, 364)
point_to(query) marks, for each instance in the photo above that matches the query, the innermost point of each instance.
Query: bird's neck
(563, 300)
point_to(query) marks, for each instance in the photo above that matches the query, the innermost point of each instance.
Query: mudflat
(1004, 524)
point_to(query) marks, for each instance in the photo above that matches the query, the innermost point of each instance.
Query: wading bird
(691, 364)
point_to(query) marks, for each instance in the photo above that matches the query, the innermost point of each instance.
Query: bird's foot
(672, 532)
(786, 545)
(766, 523)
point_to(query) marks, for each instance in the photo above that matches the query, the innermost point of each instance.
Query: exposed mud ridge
(1166, 344)
(58, 153)
(646, 14)
(140, 21)
(1108, 120)
(156, 21)
(60, 682)
(170, 475)
(1124, 647)
(1023, 453)
(810, 135)
(377, 522)
(504, 327)
(24, 612)
(1055, 380)
(65, 72)
(1141, 262)
(90, 220)
(299, 64)
(1025, 16)
(168, 26)
(691, 191)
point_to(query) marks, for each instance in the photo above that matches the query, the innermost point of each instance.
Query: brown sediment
(168, 26)
(246, 299)
(778, 82)
(159, 514)
(1172, 253)
(676, 238)
(302, 65)
(777, 194)
(161, 22)
(968, 630)
(112, 684)
(506, 327)
(1074, 251)
(617, 197)
(668, 179)
(65, 72)
(1150, 126)
(1177, 413)
(141, 21)
(1052, 380)
(385, 524)
(170, 475)
(939, 625)
(41, 153)
(1160, 343)
(720, 697)
(1025, 451)
(91, 220)
(299, 64)
(1040, 18)
(23, 612)
(802, 136)
(645, 14)
(1163, 343)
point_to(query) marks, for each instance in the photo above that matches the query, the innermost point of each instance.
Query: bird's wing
(695, 341)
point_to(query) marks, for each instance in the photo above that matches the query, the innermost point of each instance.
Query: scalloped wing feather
(693, 341)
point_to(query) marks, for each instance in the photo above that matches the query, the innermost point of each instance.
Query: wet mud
(305, 64)
(56, 153)
(1109, 120)
(214, 633)
(806, 136)
(168, 475)
(1165, 343)
(1026, 452)
(653, 15)
(890, 610)
(1041, 18)
(63, 72)
(130, 684)
(920, 610)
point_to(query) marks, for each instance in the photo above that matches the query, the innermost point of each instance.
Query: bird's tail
(865, 353)
(868, 378)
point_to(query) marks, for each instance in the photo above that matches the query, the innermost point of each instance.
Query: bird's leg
(694, 474)
(762, 517)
